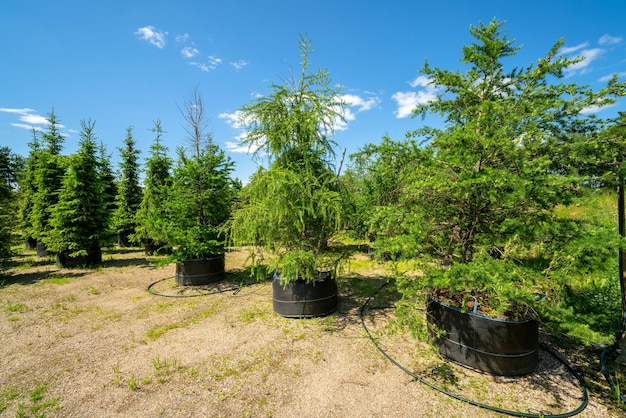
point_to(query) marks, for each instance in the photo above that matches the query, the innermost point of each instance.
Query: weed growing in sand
(165, 367)
(39, 405)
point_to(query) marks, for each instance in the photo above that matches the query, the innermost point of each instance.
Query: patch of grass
(8, 395)
(159, 330)
(16, 307)
(260, 311)
(165, 367)
(55, 280)
(39, 405)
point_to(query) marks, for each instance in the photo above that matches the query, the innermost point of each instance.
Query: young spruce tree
(80, 220)
(129, 193)
(48, 178)
(152, 213)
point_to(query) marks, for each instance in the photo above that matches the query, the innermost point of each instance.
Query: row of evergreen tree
(76, 204)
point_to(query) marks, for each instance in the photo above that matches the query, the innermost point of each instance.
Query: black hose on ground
(570, 368)
(236, 289)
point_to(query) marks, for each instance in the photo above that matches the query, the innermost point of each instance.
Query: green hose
(576, 411)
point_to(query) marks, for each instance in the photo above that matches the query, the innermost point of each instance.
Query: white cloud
(408, 101)
(589, 56)
(359, 102)
(609, 40)
(232, 119)
(28, 118)
(570, 49)
(151, 34)
(610, 76)
(214, 61)
(421, 81)
(21, 111)
(189, 52)
(182, 38)
(239, 148)
(594, 109)
(238, 65)
(34, 119)
(211, 65)
(29, 127)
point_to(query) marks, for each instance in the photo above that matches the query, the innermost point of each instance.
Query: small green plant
(133, 384)
(117, 376)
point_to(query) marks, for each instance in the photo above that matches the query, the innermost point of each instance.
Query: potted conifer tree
(290, 210)
(48, 178)
(481, 194)
(129, 194)
(198, 202)
(152, 213)
(80, 219)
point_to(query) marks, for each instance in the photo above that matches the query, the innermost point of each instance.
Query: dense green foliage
(152, 213)
(47, 178)
(80, 219)
(475, 204)
(11, 168)
(293, 207)
(129, 193)
(199, 198)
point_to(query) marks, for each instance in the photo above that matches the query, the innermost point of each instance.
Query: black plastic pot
(30, 243)
(42, 250)
(502, 347)
(200, 271)
(152, 247)
(93, 258)
(304, 299)
(123, 239)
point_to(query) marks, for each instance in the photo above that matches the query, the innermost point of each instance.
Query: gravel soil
(97, 343)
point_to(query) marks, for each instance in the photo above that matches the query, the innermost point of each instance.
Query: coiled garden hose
(236, 289)
(570, 368)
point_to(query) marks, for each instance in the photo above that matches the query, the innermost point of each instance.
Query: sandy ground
(96, 343)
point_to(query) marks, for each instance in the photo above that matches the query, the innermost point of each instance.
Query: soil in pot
(305, 299)
(200, 271)
(505, 347)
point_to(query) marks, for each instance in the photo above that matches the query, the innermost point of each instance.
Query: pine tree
(28, 190)
(48, 177)
(129, 194)
(80, 220)
(109, 192)
(11, 167)
(151, 216)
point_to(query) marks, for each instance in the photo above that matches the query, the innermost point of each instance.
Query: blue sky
(128, 63)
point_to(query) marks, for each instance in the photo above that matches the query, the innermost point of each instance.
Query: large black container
(93, 258)
(42, 249)
(499, 346)
(200, 271)
(305, 299)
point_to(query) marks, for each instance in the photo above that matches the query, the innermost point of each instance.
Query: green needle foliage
(477, 206)
(152, 214)
(292, 208)
(48, 178)
(11, 168)
(199, 199)
(80, 219)
(129, 194)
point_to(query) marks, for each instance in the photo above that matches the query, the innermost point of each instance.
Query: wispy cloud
(608, 40)
(610, 76)
(182, 38)
(28, 118)
(189, 52)
(566, 50)
(238, 65)
(153, 35)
